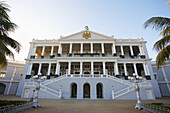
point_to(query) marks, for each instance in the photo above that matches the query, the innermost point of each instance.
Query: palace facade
(88, 65)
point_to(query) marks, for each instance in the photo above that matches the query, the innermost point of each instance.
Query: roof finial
(86, 28)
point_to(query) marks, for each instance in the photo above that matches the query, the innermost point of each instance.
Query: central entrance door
(86, 90)
(99, 90)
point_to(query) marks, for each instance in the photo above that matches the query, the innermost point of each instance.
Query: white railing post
(113, 93)
(60, 90)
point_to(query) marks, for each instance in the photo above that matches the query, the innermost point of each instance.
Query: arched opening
(73, 90)
(2, 88)
(99, 90)
(86, 90)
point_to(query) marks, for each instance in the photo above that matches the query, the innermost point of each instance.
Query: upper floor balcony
(88, 50)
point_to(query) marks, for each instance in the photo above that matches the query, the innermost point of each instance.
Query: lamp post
(136, 79)
(38, 80)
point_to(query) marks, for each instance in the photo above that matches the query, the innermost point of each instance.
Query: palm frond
(5, 51)
(158, 23)
(10, 42)
(162, 55)
(165, 32)
(160, 44)
(3, 61)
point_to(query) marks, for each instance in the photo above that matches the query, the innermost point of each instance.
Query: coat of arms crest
(86, 34)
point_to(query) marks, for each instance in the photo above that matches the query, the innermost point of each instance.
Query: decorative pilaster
(34, 50)
(141, 50)
(145, 70)
(30, 69)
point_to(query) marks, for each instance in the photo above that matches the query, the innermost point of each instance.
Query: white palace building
(88, 65)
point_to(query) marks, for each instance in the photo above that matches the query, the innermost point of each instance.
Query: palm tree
(6, 26)
(162, 46)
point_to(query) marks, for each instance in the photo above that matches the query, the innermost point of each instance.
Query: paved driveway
(85, 106)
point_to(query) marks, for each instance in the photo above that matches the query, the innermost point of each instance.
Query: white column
(104, 68)
(57, 71)
(52, 49)
(113, 48)
(12, 78)
(125, 69)
(145, 70)
(141, 50)
(102, 48)
(42, 54)
(81, 51)
(69, 67)
(92, 68)
(49, 69)
(30, 69)
(131, 51)
(134, 65)
(116, 68)
(91, 47)
(59, 49)
(39, 69)
(70, 51)
(81, 68)
(34, 50)
(122, 52)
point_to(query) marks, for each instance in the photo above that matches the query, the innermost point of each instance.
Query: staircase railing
(128, 89)
(120, 80)
(52, 91)
(122, 92)
(46, 82)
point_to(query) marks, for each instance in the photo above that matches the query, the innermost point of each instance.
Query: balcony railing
(88, 55)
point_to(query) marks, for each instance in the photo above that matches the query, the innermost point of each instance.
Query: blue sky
(48, 19)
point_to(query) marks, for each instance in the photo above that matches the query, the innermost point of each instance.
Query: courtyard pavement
(85, 106)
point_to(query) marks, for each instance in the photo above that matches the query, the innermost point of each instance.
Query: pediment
(79, 36)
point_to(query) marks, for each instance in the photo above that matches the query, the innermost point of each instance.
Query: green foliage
(158, 105)
(6, 26)
(6, 106)
(162, 46)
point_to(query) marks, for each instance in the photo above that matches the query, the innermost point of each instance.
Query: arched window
(99, 90)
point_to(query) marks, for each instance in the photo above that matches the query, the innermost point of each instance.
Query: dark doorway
(2, 88)
(86, 90)
(99, 90)
(73, 90)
